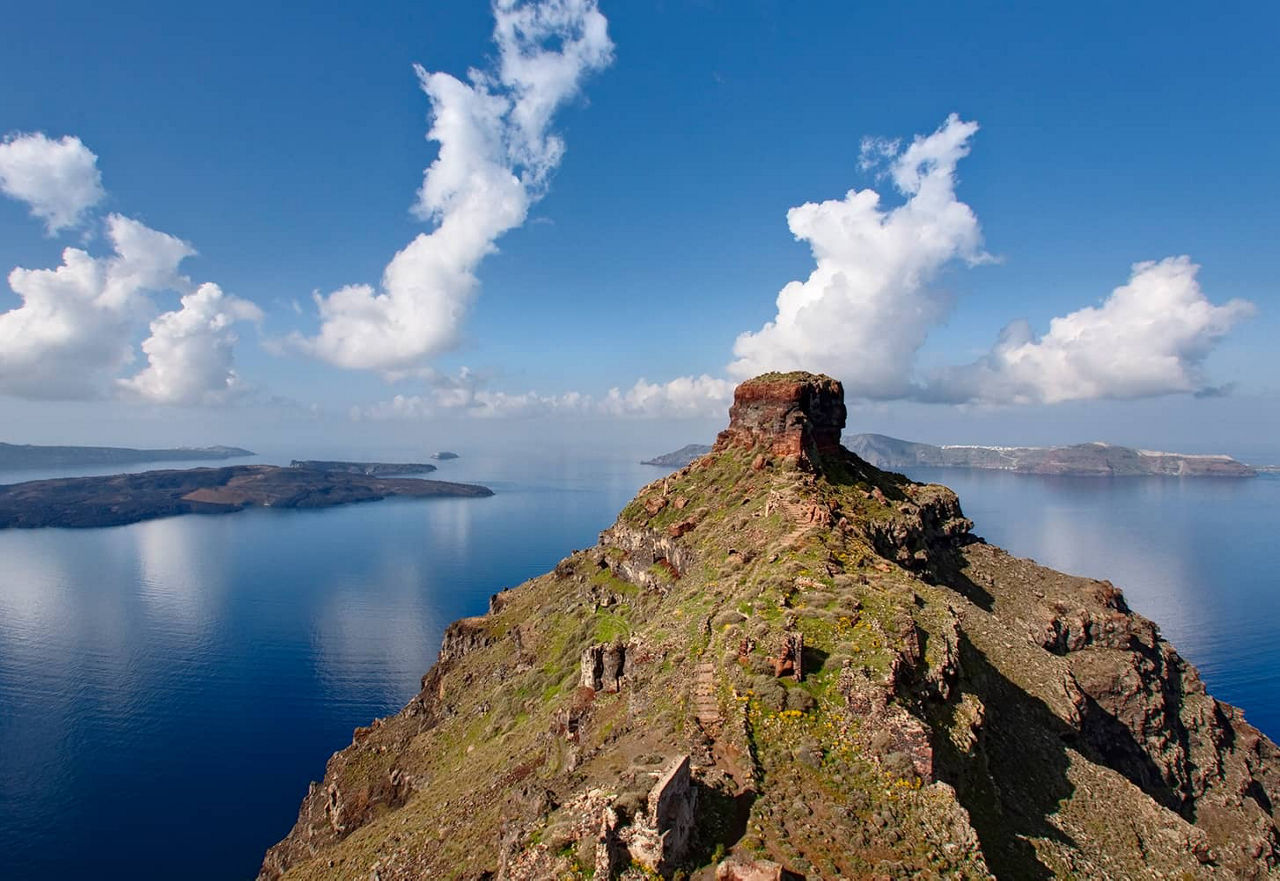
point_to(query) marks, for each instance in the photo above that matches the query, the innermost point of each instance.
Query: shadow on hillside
(947, 568)
(1013, 779)
(721, 822)
(848, 469)
(814, 660)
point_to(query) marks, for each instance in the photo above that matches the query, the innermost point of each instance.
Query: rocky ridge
(1086, 460)
(679, 458)
(779, 662)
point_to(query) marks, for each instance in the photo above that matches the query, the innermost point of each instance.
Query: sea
(168, 689)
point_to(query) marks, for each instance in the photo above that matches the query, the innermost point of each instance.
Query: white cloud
(1149, 337)
(867, 307)
(75, 330)
(685, 397)
(190, 350)
(71, 334)
(494, 159)
(467, 394)
(59, 179)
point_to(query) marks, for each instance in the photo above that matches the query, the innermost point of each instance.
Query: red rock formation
(791, 415)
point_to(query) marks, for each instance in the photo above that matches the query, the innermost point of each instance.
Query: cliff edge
(782, 662)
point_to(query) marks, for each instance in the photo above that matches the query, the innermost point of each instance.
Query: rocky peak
(781, 661)
(791, 415)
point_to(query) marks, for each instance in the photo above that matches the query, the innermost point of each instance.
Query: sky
(427, 224)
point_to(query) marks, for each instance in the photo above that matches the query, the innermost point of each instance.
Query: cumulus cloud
(684, 397)
(467, 393)
(869, 304)
(1149, 337)
(75, 330)
(495, 155)
(71, 334)
(59, 179)
(190, 350)
(867, 307)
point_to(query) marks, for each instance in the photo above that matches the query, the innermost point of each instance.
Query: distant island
(1094, 459)
(21, 456)
(371, 469)
(1097, 459)
(128, 498)
(444, 454)
(679, 458)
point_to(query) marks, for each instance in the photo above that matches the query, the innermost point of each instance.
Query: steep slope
(783, 662)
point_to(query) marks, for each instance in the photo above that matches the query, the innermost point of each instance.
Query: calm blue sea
(168, 689)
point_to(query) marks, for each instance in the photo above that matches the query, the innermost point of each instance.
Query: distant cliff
(679, 458)
(17, 456)
(783, 662)
(1096, 459)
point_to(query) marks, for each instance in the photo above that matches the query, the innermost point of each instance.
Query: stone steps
(706, 706)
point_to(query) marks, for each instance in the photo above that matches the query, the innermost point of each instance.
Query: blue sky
(286, 144)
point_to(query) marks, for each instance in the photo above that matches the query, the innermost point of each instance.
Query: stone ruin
(742, 869)
(659, 838)
(790, 659)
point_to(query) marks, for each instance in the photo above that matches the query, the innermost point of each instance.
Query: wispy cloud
(468, 394)
(495, 157)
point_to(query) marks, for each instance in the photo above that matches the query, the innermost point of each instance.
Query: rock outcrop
(791, 415)
(781, 662)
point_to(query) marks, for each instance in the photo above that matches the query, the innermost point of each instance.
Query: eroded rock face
(792, 415)
(646, 553)
(603, 666)
(465, 636)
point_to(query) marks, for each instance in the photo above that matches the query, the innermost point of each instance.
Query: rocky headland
(783, 662)
(128, 498)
